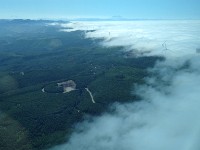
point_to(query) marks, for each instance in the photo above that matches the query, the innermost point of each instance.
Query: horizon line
(95, 19)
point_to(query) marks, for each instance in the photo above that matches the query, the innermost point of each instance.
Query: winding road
(92, 98)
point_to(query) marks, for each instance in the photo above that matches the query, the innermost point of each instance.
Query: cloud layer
(180, 37)
(168, 117)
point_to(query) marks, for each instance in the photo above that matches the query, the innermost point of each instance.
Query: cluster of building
(67, 86)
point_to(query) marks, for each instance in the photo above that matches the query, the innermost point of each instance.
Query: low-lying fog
(168, 117)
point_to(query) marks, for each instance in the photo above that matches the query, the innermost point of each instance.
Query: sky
(67, 9)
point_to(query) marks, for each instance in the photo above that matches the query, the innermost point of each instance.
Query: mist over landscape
(167, 116)
(100, 75)
(180, 36)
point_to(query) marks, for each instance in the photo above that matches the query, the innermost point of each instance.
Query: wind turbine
(164, 45)
(109, 36)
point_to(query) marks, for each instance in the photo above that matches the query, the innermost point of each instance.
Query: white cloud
(181, 37)
(168, 117)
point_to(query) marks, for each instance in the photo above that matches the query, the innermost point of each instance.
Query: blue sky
(137, 9)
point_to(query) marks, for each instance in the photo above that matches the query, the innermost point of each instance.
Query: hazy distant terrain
(36, 55)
